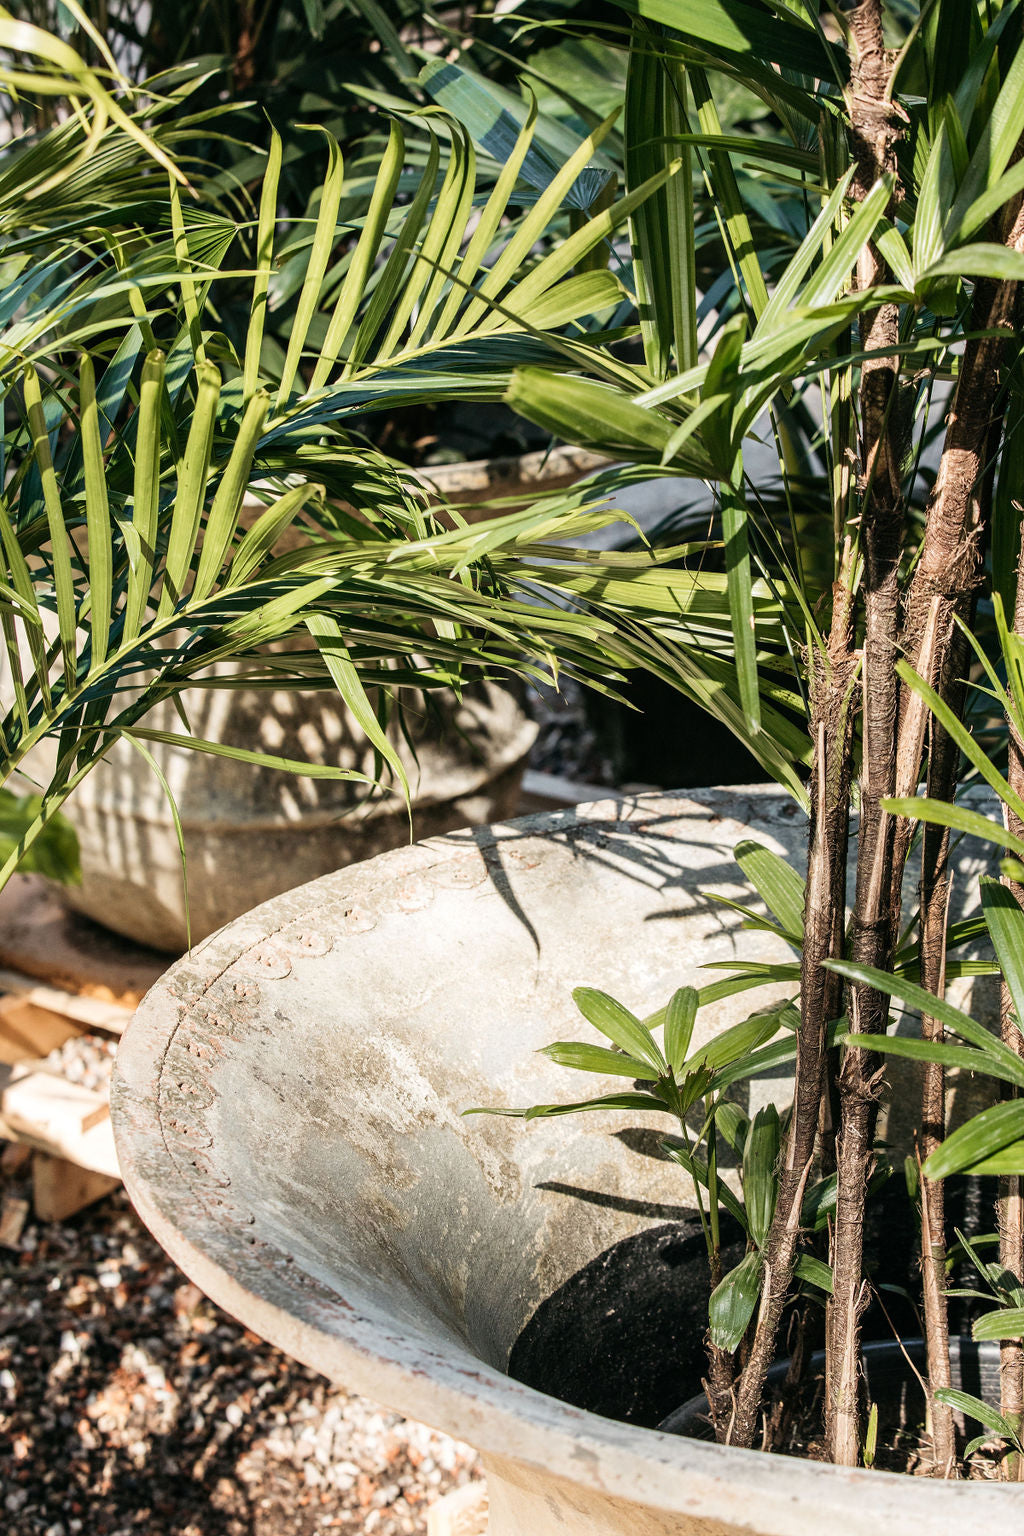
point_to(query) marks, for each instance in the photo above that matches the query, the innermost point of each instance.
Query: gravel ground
(131, 1406)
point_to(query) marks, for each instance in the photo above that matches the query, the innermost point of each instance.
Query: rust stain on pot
(305, 944)
(269, 962)
(191, 1135)
(201, 1096)
(359, 919)
(210, 1173)
(460, 874)
(180, 984)
(523, 858)
(206, 1050)
(231, 1210)
(412, 895)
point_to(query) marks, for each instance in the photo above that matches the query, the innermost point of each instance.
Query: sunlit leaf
(984, 1134)
(598, 1058)
(1006, 1323)
(622, 1028)
(680, 1017)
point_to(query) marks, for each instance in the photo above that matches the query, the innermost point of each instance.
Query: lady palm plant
(871, 247)
(900, 131)
(134, 431)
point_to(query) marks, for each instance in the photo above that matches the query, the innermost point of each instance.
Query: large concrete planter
(287, 1111)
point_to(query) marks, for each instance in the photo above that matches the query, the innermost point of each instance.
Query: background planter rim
(452, 1389)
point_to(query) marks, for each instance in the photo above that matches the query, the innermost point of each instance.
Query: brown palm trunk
(942, 590)
(833, 686)
(876, 907)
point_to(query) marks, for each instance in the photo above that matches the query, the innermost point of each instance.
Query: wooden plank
(61, 1189)
(27, 1031)
(13, 1216)
(93, 1014)
(52, 1115)
(52, 1103)
(13, 1159)
(40, 937)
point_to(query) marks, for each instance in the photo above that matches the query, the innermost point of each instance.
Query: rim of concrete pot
(231, 1059)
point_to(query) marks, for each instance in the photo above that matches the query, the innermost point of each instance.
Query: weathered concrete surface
(287, 1110)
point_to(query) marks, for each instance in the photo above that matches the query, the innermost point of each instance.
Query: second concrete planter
(252, 832)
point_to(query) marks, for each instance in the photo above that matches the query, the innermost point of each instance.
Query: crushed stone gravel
(87, 1060)
(132, 1406)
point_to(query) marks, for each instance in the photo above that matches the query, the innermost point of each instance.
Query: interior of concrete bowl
(291, 1095)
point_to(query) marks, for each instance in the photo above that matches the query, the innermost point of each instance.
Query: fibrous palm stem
(943, 765)
(875, 131)
(833, 685)
(942, 591)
